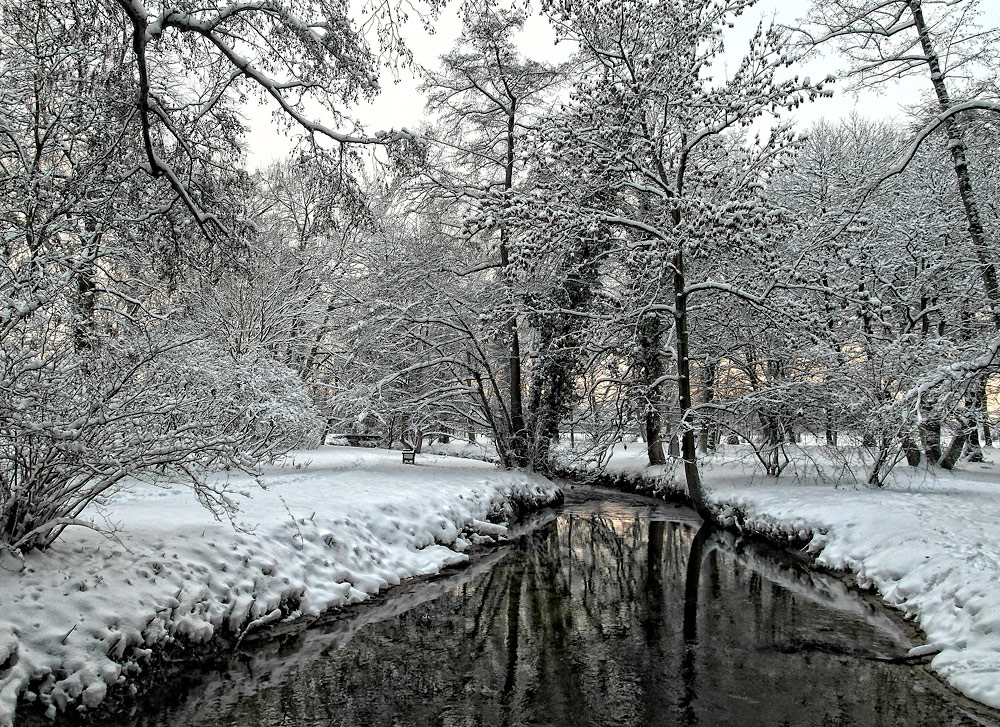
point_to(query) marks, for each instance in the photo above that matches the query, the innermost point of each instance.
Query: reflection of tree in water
(692, 586)
(609, 621)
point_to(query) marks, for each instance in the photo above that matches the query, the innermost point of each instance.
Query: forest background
(628, 240)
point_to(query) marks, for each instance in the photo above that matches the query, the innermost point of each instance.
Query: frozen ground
(333, 527)
(929, 542)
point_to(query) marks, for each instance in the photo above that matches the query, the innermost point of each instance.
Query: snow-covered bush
(75, 425)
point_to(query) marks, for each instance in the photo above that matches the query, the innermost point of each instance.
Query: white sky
(401, 105)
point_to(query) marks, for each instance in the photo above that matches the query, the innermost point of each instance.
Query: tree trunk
(950, 458)
(85, 304)
(956, 145)
(651, 363)
(518, 443)
(830, 432)
(930, 433)
(773, 445)
(325, 431)
(978, 402)
(709, 435)
(518, 440)
(688, 445)
(83, 324)
(973, 445)
(654, 441)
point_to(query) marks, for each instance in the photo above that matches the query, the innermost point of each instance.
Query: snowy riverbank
(339, 524)
(928, 542)
(332, 527)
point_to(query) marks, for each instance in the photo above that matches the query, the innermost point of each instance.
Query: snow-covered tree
(129, 285)
(891, 293)
(675, 183)
(944, 41)
(485, 96)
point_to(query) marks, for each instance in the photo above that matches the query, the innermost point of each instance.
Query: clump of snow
(928, 542)
(333, 527)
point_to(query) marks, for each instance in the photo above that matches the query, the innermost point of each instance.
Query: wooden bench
(409, 456)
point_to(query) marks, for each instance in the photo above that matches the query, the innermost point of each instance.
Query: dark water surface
(616, 612)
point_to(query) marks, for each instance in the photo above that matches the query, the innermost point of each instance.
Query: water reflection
(602, 617)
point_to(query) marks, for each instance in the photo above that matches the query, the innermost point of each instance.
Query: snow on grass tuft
(326, 533)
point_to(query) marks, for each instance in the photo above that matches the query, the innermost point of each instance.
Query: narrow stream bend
(615, 612)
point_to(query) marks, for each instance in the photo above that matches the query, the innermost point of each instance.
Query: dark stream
(616, 612)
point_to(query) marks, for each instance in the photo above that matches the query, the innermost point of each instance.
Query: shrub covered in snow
(75, 424)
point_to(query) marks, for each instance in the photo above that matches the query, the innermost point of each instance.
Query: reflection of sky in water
(603, 617)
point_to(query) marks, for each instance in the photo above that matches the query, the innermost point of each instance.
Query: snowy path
(83, 615)
(929, 543)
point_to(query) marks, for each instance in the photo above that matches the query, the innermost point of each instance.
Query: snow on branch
(956, 371)
(325, 57)
(910, 153)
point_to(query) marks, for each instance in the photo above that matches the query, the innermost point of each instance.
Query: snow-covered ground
(929, 542)
(338, 524)
(333, 526)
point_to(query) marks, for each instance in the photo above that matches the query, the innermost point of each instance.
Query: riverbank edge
(793, 542)
(150, 667)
